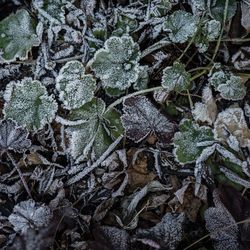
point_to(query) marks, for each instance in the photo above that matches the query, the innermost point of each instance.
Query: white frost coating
(75, 88)
(231, 122)
(28, 103)
(198, 6)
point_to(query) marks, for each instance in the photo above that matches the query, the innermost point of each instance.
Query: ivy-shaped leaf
(97, 132)
(74, 86)
(176, 78)
(17, 36)
(229, 85)
(117, 63)
(13, 137)
(190, 141)
(28, 103)
(181, 26)
(141, 118)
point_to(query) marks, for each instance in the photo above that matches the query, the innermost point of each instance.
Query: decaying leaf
(17, 36)
(221, 225)
(190, 141)
(141, 118)
(28, 103)
(29, 214)
(167, 234)
(230, 124)
(205, 111)
(245, 17)
(13, 137)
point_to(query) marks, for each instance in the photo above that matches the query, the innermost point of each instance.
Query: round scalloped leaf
(229, 85)
(117, 63)
(28, 103)
(74, 86)
(181, 26)
(17, 36)
(176, 78)
(190, 141)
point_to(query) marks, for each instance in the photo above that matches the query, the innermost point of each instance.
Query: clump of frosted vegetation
(117, 63)
(176, 78)
(17, 36)
(181, 26)
(28, 103)
(190, 141)
(74, 86)
(230, 86)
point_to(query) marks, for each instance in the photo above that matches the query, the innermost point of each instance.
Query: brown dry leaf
(185, 200)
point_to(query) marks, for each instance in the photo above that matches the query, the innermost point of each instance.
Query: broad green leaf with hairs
(96, 133)
(17, 36)
(117, 63)
(74, 86)
(28, 103)
(190, 141)
(229, 85)
(176, 78)
(181, 26)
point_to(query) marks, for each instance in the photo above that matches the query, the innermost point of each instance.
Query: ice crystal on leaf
(28, 103)
(181, 26)
(96, 132)
(29, 214)
(141, 118)
(231, 123)
(229, 85)
(13, 137)
(117, 63)
(17, 36)
(190, 141)
(75, 87)
(176, 78)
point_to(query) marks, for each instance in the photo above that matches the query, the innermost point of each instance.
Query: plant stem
(19, 172)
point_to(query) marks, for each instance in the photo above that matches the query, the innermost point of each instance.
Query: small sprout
(141, 118)
(28, 103)
(190, 141)
(17, 36)
(181, 26)
(74, 86)
(229, 85)
(117, 63)
(175, 78)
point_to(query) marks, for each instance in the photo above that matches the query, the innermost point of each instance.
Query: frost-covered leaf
(29, 214)
(75, 87)
(180, 26)
(221, 225)
(198, 6)
(97, 132)
(141, 118)
(159, 8)
(17, 36)
(13, 137)
(176, 78)
(28, 103)
(245, 17)
(167, 234)
(190, 141)
(231, 123)
(217, 9)
(229, 85)
(205, 111)
(143, 78)
(117, 63)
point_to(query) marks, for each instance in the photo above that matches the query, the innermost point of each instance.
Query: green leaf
(75, 88)
(181, 26)
(190, 141)
(176, 78)
(229, 85)
(28, 103)
(143, 78)
(97, 132)
(117, 63)
(17, 36)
